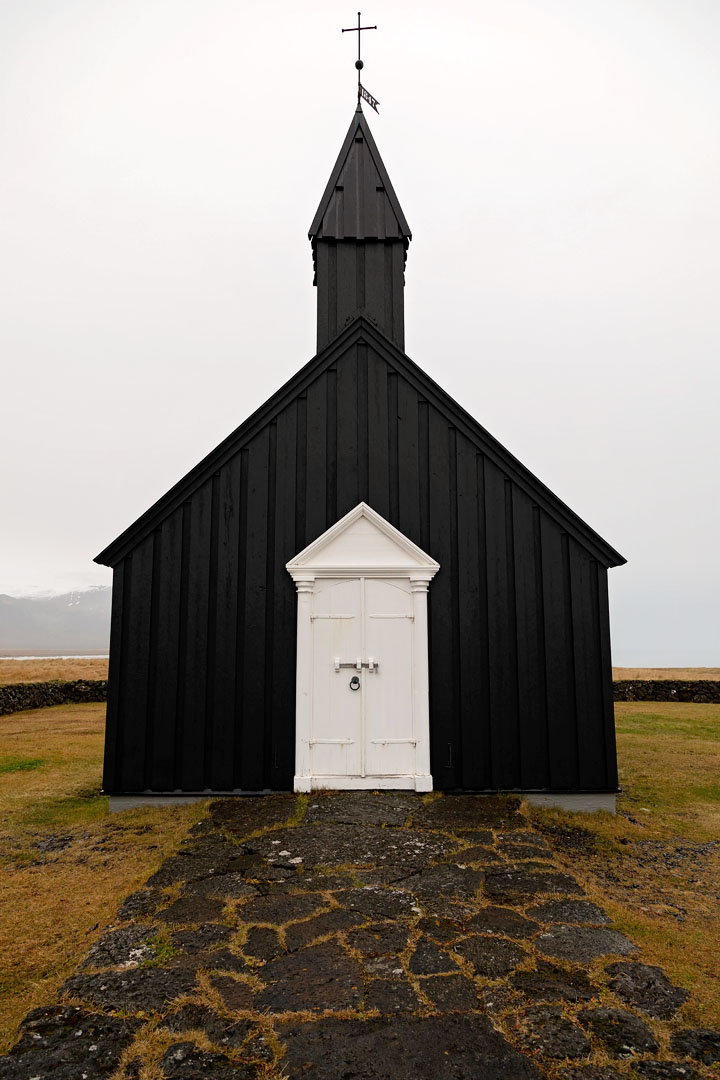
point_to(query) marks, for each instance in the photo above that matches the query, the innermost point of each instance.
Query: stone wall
(17, 696)
(699, 690)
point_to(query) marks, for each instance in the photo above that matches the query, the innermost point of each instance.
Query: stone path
(363, 937)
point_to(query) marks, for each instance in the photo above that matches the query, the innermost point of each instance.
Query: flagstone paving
(363, 936)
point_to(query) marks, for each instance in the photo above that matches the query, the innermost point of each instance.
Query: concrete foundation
(117, 803)
(582, 804)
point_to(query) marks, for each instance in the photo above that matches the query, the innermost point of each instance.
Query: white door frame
(372, 548)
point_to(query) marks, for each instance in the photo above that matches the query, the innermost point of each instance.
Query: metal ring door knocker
(354, 683)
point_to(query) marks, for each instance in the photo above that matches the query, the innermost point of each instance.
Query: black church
(360, 587)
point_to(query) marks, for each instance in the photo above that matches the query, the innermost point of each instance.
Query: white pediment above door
(363, 542)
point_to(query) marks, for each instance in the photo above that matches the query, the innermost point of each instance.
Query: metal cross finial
(358, 30)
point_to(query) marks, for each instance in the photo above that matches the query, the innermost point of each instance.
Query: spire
(359, 238)
(359, 201)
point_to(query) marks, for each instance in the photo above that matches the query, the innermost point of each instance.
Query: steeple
(359, 238)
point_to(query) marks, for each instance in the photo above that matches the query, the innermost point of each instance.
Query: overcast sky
(558, 162)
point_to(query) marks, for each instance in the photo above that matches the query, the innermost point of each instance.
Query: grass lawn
(66, 864)
(655, 867)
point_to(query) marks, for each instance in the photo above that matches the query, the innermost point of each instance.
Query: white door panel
(389, 736)
(336, 736)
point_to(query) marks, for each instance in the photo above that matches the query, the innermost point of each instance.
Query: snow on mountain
(48, 622)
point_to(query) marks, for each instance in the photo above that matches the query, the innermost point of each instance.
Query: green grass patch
(709, 792)
(10, 764)
(164, 950)
(673, 719)
(70, 810)
(669, 764)
(300, 808)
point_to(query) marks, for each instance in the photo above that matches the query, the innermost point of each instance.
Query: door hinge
(331, 742)
(394, 742)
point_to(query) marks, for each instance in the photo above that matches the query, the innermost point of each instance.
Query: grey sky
(558, 162)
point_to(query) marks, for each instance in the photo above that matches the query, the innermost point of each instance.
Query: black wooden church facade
(203, 639)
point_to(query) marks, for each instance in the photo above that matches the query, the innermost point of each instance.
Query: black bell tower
(360, 239)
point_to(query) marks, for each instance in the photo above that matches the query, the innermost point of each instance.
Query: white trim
(334, 555)
(363, 783)
(361, 570)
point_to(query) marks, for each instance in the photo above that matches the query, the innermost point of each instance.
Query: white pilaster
(303, 685)
(421, 692)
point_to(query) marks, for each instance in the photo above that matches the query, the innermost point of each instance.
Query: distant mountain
(73, 623)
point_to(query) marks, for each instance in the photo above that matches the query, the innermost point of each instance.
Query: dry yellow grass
(27, 671)
(666, 673)
(43, 670)
(55, 901)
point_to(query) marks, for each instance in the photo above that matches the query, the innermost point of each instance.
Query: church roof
(362, 330)
(359, 202)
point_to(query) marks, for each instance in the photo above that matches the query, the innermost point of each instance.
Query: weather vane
(362, 92)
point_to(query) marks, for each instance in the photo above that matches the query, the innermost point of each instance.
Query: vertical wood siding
(359, 276)
(202, 679)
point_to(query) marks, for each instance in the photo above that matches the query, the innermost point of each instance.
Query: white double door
(363, 724)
